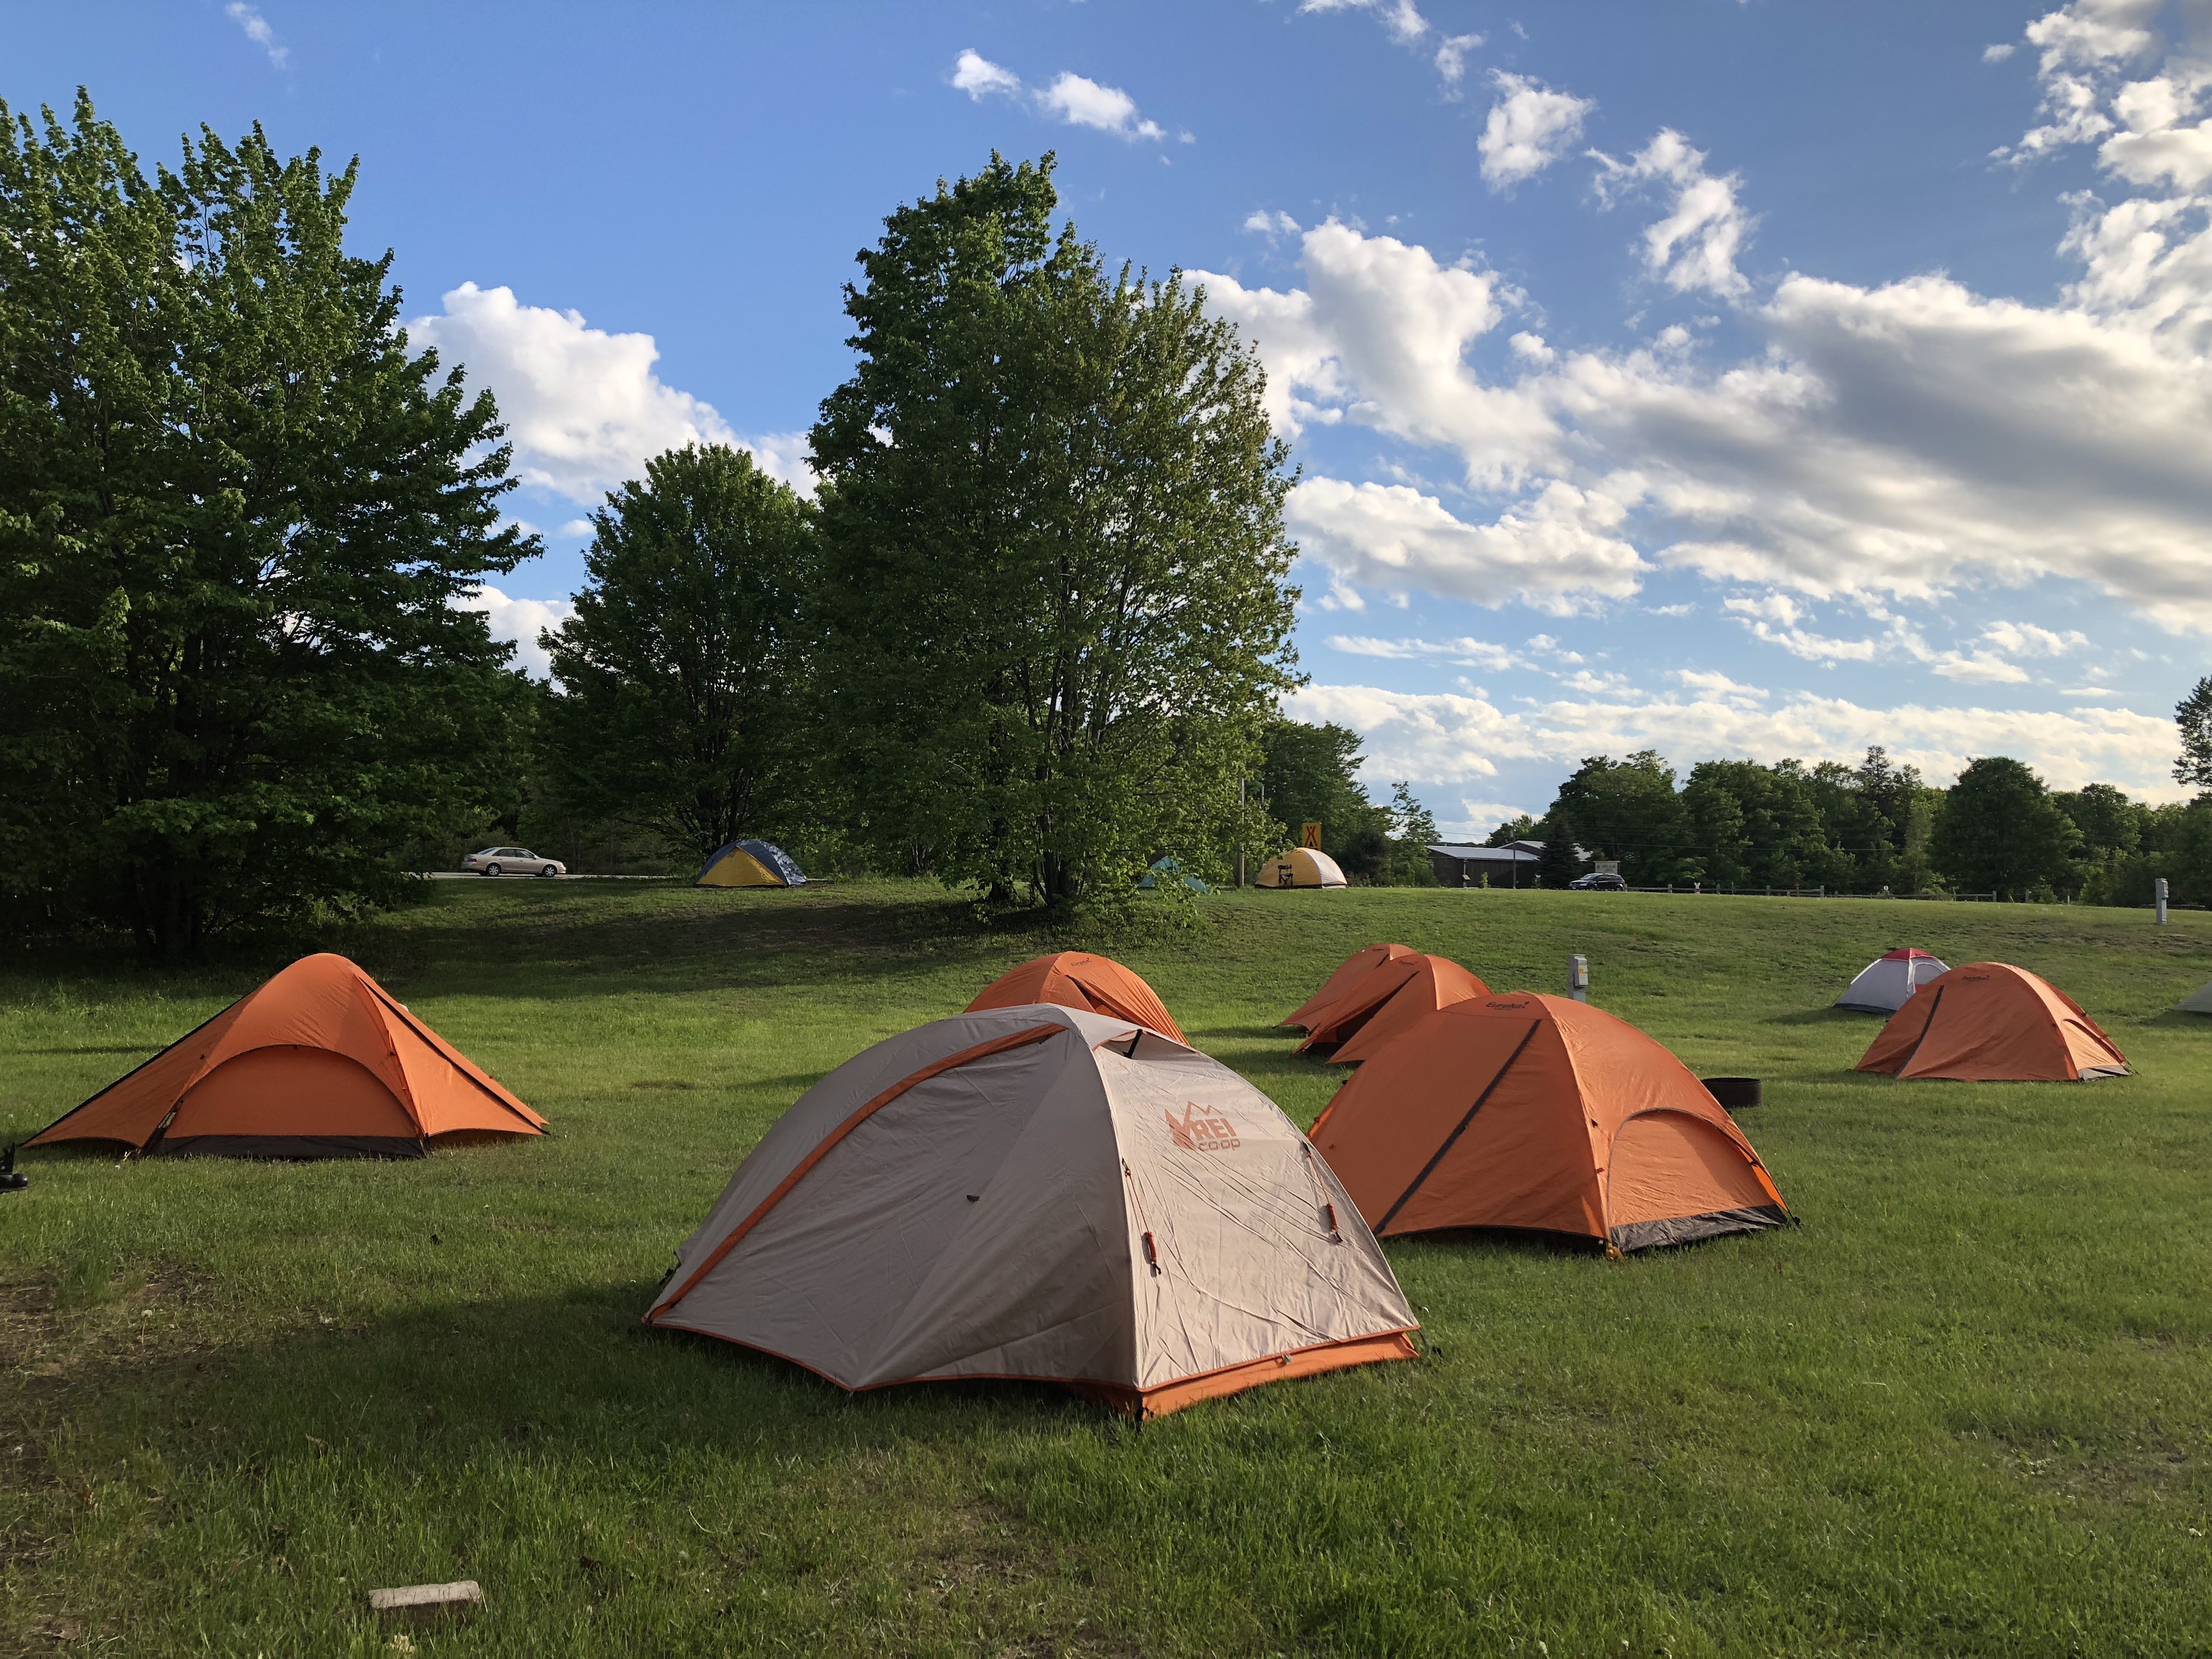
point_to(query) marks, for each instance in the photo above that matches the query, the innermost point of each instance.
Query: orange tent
(1387, 1002)
(1989, 1022)
(1097, 985)
(1349, 972)
(319, 1062)
(1537, 1112)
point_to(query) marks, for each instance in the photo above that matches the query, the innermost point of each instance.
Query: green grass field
(1967, 1408)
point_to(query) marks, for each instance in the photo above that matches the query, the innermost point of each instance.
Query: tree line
(1879, 827)
(1028, 635)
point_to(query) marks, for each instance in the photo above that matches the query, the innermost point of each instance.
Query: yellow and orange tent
(1386, 1003)
(1349, 972)
(1989, 1022)
(1540, 1112)
(321, 1062)
(1075, 979)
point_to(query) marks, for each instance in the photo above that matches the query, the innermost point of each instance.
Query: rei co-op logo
(1199, 1130)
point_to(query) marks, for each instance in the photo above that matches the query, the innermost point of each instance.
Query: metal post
(1578, 978)
(2158, 890)
(1240, 832)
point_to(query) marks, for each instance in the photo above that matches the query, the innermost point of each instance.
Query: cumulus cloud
(1451, 58)
(583, 408)
(976, 75)
(1448, 738)
(1074, 99)
(1558, 554)
(520, 621)
(1529, 127)
(1464, 653)
(1695, 246)
(1405, 24)
(258, 31)
(1270, 225)
(1900, 441)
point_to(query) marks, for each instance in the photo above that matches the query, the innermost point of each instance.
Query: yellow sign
(1312, 838)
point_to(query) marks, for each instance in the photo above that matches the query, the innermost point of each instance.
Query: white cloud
(1465, 653)
(1405, 24)
(520, 620)
(1695, 246)
(577, 527)
(1901, 440)
(1270, 225)
(1558, 554)
(975, 75)
(1998, 53)
(1074, 99)
(1529, 127)
(258, 31)
(1447, 738)
(1718, 687)
(1451, 57)
(583, 407)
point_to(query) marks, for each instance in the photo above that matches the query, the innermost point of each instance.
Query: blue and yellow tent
(750, 863)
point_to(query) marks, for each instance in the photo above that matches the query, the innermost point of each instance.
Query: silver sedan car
(512, 861)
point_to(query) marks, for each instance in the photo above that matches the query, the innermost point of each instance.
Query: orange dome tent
(1387, 1002)
(1989, 1022)
(1537, 1112)
(319, 1062)
(1349, 972)
(1097, 985)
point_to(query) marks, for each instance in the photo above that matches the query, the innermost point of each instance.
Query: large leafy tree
(1054, 614)
(2000, 831)
(1626, 809)
(235, 515)
(682, 703)
(2193, 714)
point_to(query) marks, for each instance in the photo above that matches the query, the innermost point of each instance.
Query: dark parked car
(1598, 881)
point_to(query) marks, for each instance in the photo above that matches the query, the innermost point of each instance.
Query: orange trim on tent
(1149, 1403)
(1020, 1039)
(1076, 979)
(1349, 972)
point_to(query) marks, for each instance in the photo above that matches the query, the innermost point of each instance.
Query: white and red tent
(1887, 983)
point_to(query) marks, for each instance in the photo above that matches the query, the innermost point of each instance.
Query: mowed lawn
(1965, 1408)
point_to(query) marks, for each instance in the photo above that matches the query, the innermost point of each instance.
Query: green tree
(1312, 776)
(2000, 830)
(1560, 862)
(1055, 612)
(682, 706)
(2109, 821)
(235, 515)
(1521, 827)
(1413, 832)
(1626, 809)
(2193, 714)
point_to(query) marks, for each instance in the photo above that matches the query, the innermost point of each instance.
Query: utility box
(1578, 978)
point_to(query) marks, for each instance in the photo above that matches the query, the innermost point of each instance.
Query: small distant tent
(1073, 979)
(1302, 866)
(1884, 984)
(1169, 871)
(1989, 1022)
(1542, 1113)
(1349, 972)
(1387, 1002)
(319, 1062)
(750, 863)
(1037, 1192)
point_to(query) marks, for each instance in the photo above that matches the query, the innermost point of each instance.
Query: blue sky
(1729, 377)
